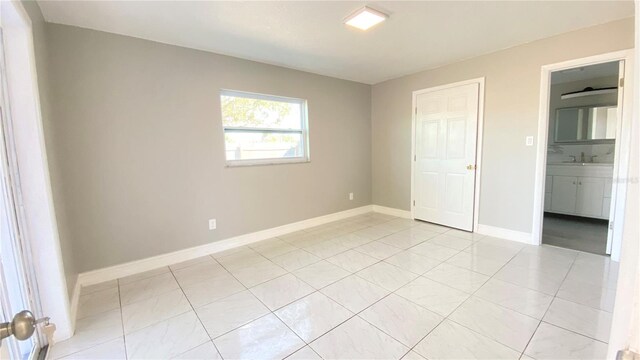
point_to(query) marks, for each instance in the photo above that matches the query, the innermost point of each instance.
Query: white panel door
(590, 196)
(564, 194)
(446, 127)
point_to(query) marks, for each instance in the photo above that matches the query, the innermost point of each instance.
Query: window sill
(265, 162)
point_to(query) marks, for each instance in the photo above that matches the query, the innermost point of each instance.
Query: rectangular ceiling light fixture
(365, 18)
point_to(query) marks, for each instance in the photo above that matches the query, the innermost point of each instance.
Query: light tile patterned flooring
(368, 287)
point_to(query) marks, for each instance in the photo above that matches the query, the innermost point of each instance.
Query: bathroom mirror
(586, 124)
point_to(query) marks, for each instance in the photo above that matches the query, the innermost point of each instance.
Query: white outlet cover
(529, 140)
(212, 224)
(350, 196)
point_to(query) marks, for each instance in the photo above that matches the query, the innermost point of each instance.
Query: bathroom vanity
(580, 189)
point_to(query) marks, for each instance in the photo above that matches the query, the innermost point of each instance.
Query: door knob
(22, 326)
(471, 167)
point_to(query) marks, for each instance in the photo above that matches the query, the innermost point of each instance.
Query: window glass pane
(260, 113)
(260, 145)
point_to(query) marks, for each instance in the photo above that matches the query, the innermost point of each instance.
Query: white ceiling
(310, 35)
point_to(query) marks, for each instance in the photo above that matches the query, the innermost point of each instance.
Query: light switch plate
(529, 140)
(212, 224)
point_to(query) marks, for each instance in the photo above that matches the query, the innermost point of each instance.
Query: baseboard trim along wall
(405, 214)
(506, 234)
(138, 266)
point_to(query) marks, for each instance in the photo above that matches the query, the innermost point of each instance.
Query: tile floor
(574, 232)
(368, 287)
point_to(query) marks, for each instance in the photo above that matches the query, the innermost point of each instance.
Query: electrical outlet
(212, 224)
(350, 196)
(529, 140)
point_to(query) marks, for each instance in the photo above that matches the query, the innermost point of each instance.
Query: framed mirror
(586, 124)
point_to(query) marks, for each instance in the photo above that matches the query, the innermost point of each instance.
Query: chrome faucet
(582, 157)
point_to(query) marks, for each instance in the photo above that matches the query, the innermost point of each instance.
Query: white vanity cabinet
(577, 189)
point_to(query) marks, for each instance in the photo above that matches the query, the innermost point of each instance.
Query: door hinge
(414, 157)
(611, 225)
(414, 203)
(622, 82)
(416, 111)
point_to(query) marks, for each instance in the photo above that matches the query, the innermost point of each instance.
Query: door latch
(471, 167)
(22, 326)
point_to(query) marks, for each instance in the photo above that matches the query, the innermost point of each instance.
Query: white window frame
(304, 132)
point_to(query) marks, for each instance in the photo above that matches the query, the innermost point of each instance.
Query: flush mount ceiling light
(365, 18)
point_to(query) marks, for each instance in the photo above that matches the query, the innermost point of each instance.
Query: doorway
(445, 162)
(582, 138)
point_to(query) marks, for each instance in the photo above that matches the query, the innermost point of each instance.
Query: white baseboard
(138, 266)
(75, 299)
(142, 265)
(392, 211)
(506, 234)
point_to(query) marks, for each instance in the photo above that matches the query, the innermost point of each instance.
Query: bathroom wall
(559, 152)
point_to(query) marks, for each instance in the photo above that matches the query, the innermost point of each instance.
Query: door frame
(41, 230)
(622, 146)
(480, 126)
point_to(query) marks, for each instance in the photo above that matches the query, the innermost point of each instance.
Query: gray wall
(511, 113)
(139, 141)
(39, 28)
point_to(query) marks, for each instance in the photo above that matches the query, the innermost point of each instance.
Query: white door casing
(446, 128)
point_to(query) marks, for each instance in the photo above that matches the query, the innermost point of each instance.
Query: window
(263, 129)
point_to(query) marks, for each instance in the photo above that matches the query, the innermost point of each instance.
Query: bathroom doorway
(582, 124)
(581, 137)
